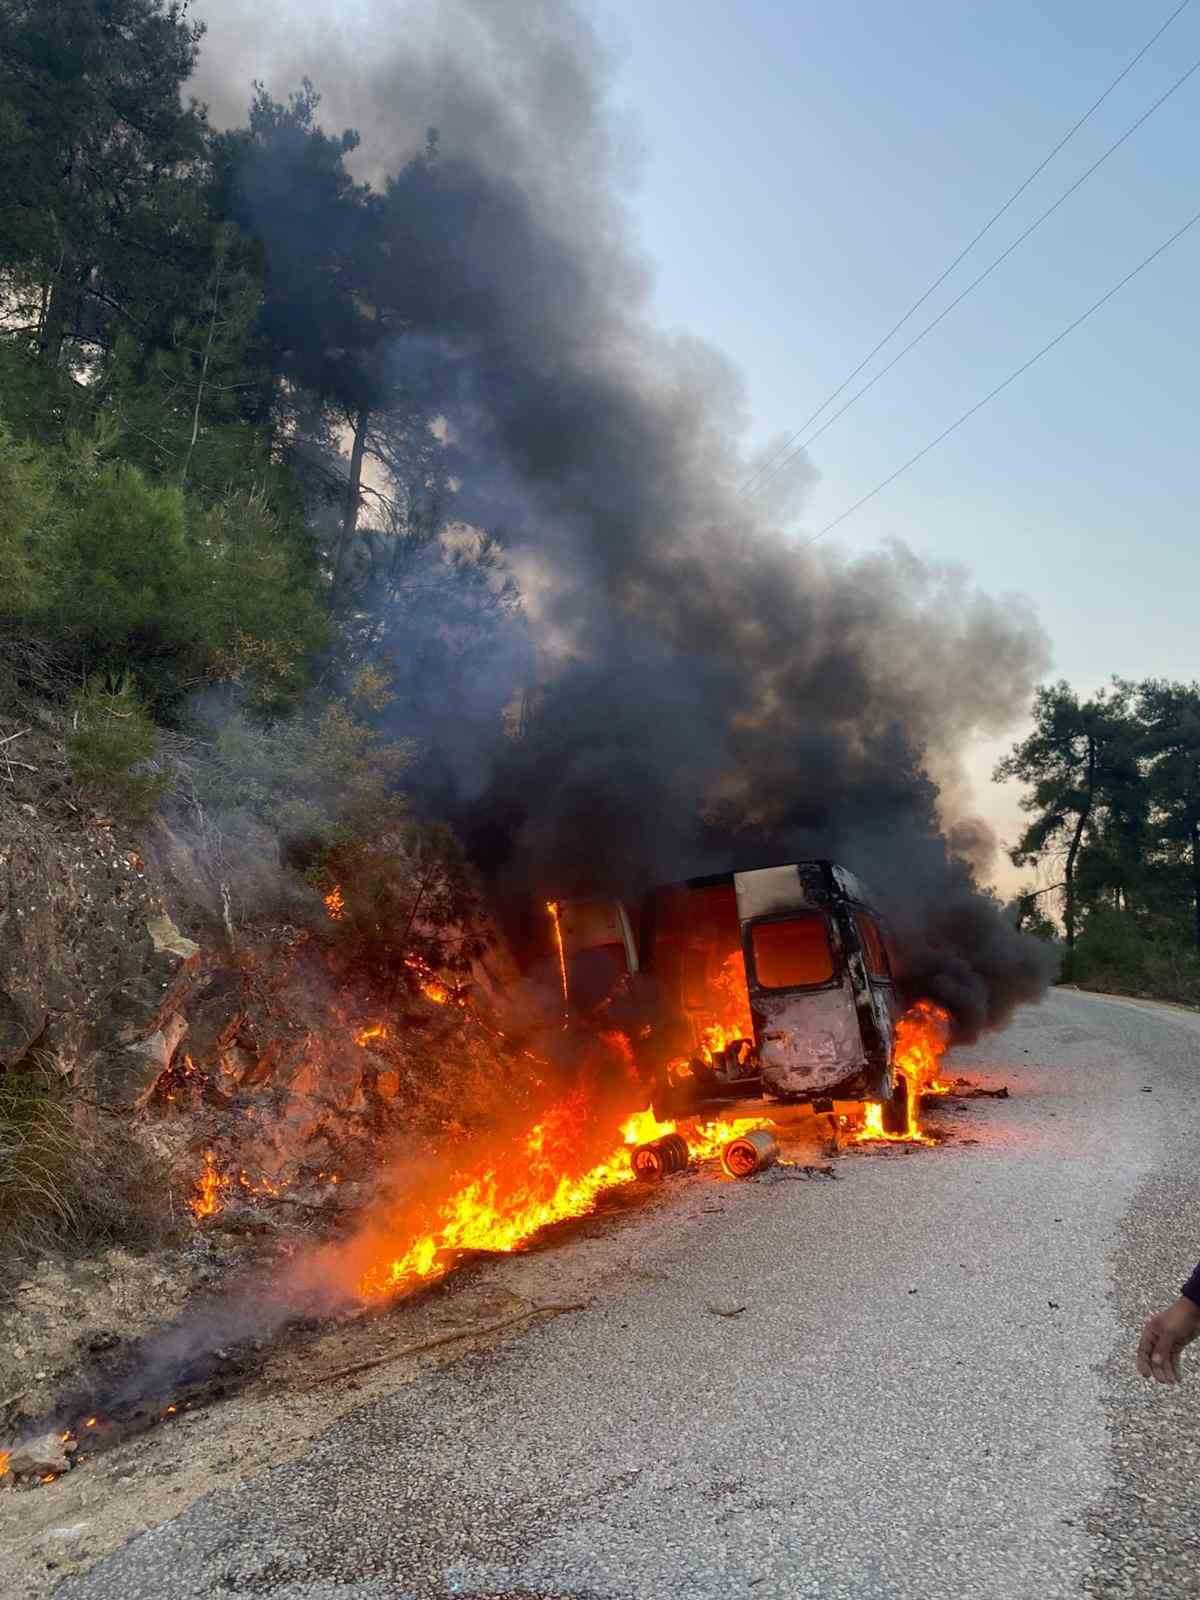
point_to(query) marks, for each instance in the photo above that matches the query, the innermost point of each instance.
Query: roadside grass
(70, 1181)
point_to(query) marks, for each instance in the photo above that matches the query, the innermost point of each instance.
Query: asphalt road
(929, 1392)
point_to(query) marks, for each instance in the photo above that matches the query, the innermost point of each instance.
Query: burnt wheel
(895, 1110)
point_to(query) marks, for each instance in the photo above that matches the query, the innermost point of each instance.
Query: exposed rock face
(79, 972)
(168, 940)
(235, 1054)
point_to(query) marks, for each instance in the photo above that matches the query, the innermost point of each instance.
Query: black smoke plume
(706, 692)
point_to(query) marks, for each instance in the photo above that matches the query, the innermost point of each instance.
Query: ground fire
(212, 1181)
(534, 1180)
(502, 1188)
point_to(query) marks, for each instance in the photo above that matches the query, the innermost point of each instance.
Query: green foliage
(1077, 756)
(1115, 797)
(98, 181)
(284, 179)
(324, 787)
(124, 568)
(253, 596)
(1029, 917)
(196, 326)
(129, 573)
(110, 744)
(1117, 955)
(410, 901)
(190, 404)
(312, 779)
(29, 529)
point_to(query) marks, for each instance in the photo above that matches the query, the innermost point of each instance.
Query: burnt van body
(776, 981)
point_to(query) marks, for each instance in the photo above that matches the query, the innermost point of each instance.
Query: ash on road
(928, 1394)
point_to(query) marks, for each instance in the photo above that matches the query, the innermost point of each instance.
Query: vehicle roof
(822, 881)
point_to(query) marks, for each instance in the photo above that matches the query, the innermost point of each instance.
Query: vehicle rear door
(805, 1019)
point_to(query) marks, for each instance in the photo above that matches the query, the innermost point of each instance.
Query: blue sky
(807, 170)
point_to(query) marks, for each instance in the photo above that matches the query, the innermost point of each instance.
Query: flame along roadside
(515, 1191)
(513, 1195)
(505, 1201)
(521, 1188)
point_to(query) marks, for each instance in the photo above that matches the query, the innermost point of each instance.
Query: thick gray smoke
(709, 693)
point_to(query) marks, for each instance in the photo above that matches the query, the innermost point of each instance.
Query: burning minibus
(776, 981)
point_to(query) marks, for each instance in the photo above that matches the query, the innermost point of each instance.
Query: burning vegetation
(516, 1182)
(212, 1181)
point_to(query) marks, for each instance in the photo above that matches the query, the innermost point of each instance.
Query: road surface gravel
(929, 1392)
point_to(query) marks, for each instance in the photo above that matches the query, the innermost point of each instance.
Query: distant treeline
(1113, 796)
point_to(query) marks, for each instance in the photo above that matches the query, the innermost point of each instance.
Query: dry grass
(72, 1179)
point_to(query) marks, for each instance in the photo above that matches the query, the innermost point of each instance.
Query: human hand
(1164, 1336)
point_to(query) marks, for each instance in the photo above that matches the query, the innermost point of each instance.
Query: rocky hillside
(156, 1063)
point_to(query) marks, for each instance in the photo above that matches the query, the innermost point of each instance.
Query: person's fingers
(1162, 1358)
(1145, 1348)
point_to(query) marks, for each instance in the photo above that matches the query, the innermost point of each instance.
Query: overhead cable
(1000, 387)
(976, 281)
(764, 466)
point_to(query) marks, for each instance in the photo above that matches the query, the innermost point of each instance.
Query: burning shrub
(318, 793)
(408, 903)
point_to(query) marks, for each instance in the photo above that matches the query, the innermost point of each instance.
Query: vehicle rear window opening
(793, 952)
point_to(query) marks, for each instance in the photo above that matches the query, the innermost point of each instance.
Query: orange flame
(555, 910)
(364, 1036)
(432, 987)
(5, 1458)
(922, 1037)
(259, 1186)
(507, 1199)
(334, 904)
(210, 1183)
(728, 1004)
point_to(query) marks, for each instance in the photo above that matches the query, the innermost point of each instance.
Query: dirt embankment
(141, 1039)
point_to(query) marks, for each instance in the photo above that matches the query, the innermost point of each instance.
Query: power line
(966, 250)
(1012, 378)
(976, 281)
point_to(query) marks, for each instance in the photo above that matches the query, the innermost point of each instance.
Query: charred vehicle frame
(772, 982)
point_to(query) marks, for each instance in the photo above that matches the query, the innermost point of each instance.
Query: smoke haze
(707, 692)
